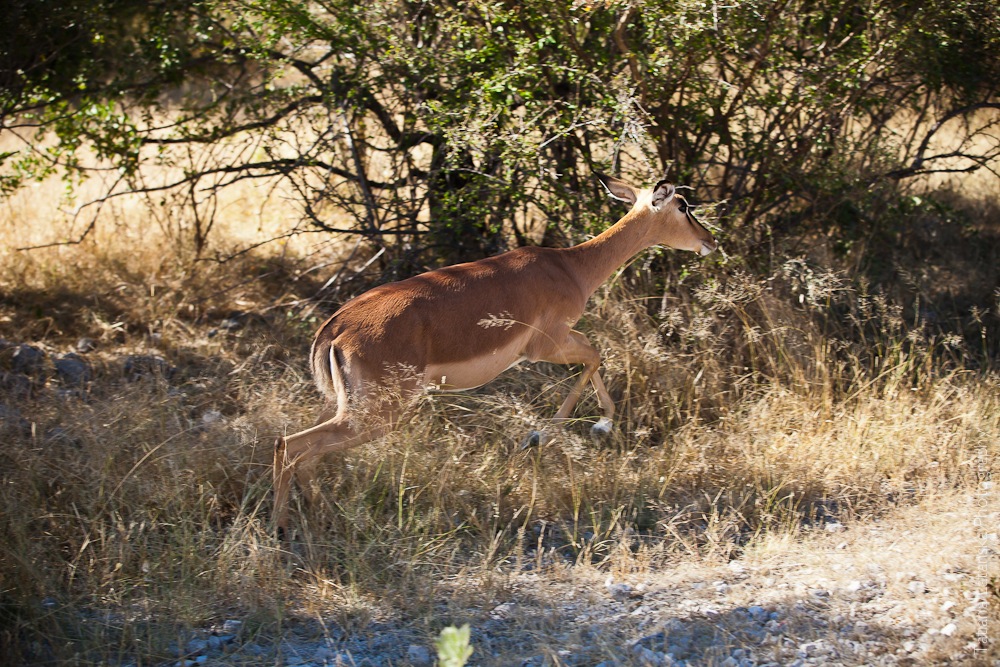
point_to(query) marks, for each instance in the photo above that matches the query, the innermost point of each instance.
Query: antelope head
(674, 222)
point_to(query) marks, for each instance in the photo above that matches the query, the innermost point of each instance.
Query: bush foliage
(449, 130)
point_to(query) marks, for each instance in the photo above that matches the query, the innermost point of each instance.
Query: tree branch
(916, 166)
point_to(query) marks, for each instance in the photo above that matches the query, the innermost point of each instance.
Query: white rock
(231, 626)
(917, 587)
(502, 611)
(210, 417)
(949, 630)
(619, 591)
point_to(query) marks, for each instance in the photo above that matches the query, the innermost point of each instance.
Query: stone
(619, 591)
(11, 417)
(28, 359)
(210, 417)
(60, 435)
(503, 611)
(72, 370)
(324, 655)
(197, 646)
(15, 384)
(231, 626)
(419, 656)
(647, 657)
(138, 366)
(231, 323)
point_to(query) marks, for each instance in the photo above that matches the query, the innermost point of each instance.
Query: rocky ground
(917, 587)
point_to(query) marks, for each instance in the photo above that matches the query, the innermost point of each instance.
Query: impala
(460, 326)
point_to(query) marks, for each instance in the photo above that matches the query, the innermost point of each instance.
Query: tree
(448, 130)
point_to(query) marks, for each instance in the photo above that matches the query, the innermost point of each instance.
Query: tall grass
(751, 402)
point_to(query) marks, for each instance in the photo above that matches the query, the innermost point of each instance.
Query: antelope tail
(327, 369)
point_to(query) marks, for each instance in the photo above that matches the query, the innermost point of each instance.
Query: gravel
(812, 603)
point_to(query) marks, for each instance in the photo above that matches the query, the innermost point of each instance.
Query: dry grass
(753, 406)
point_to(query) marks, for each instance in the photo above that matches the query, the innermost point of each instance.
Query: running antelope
(460, 326)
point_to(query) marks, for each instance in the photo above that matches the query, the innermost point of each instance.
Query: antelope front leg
(576, 349)
(603, 426)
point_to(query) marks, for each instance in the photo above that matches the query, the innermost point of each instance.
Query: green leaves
(493, 115)
(453, 646)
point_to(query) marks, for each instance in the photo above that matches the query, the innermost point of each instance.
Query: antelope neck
(597, 259)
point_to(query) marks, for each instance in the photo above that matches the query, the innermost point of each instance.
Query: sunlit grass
(751, 408)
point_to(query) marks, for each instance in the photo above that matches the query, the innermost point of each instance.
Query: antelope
(459, 327)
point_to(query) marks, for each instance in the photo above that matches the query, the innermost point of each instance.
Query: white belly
(471, 373)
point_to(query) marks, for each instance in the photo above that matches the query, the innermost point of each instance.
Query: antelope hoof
(534, 439)
(601, 429)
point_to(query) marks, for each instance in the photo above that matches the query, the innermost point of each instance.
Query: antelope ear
(618, 188)
(662, 193)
